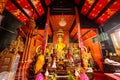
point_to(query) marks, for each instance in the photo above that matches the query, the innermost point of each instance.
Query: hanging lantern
(62, 21)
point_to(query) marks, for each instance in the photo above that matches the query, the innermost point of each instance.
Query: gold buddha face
(60, 39)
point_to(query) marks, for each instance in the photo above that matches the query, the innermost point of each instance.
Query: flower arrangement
(83, 76)
(54, 76)
(39, 77)
(70, 76)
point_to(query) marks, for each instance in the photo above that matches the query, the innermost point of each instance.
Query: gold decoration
(110, 11)
(91, 1)
(60, 33)
(60, 45)
(3, 54)
(16, 46)
(35, 2)
(38, 50)
(86, 56)
(31, 23)
(16, 12)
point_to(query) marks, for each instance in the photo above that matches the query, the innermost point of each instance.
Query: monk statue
(76, 53)
(60, 44)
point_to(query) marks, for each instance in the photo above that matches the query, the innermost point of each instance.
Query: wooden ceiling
(98, 11)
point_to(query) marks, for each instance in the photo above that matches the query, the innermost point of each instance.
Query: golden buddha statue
(60, 44)
(86, 56)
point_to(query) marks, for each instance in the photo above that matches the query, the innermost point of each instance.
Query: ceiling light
(62, 22)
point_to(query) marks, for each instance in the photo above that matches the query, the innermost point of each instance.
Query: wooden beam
(33, 8)
(44, 5)
(75, 34)
(20, 8)
(72, 27)
(92, 7)
(108, 5)
(81, 5)
(85, 33)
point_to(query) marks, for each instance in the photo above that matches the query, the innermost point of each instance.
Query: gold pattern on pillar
(26, 57)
